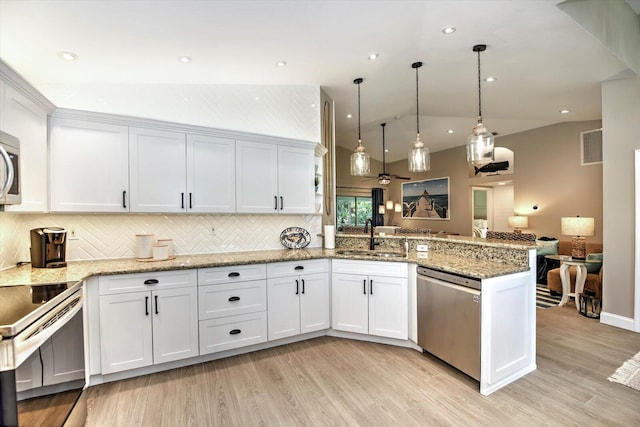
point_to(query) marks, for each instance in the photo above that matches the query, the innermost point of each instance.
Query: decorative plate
(295, 238)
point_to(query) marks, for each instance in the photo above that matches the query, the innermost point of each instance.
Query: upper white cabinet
(89, 166)
(273, 178)
(157, 163)
(26, 120)
(211, 174)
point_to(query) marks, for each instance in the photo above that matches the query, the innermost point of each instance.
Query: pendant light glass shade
(419, 159)
(480, 145)
(360, 160)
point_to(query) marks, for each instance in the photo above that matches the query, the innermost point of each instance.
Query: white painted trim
(19, 83)
(636, 310)
(617, 321)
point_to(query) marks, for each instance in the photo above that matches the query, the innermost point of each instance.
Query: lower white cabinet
(298, 298)
(144, 327)
(365, 303)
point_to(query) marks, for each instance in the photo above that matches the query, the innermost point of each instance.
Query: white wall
(502, 207)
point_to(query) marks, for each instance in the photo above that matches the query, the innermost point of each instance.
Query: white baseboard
(617, 321)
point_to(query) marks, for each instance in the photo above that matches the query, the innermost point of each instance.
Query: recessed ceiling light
(349, 116)
(449, 30)
(314, 105)
(502, 183)
(450, 131)
(257, 98)
(397, 117)
(490, 79)
(184, 59)
(386, 150)
(373, 56)
(68, 56)
(565, 111)
(280, 64)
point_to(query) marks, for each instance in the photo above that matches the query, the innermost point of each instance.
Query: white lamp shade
(397, 207)
(381, 210)
(389, 205)
(518, 221)
(577, 226)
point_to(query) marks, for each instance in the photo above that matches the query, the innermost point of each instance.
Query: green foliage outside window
(353, 210)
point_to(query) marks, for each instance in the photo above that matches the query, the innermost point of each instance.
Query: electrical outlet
(73, 235)
(212, 231)
(422, 248)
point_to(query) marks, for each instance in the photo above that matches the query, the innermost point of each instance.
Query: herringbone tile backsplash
(102, 236)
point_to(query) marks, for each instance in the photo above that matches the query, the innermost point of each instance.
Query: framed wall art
(428, 199)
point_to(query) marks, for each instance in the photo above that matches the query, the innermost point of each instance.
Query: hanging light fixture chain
(479, 89)
(417, 105)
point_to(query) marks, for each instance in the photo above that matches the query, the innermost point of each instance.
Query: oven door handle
(7, 160)
(31, 339)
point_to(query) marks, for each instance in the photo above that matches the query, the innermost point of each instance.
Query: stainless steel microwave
(9, 170)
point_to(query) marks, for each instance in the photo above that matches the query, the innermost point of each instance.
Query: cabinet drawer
(294, 268)
(230, 299)
(236, 273)
(232, 332)
(374, 268)
(137, 282)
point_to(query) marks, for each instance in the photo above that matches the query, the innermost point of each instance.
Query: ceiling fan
(384, 178)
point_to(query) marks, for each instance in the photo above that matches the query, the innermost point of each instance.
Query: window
(353, 210)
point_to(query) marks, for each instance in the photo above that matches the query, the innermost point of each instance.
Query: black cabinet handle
(234, 274)
(364, 286)
(151, 282)
(181, 200)
(302, 285)
(124, 199)
(156, 304)
(371, 287)
(146, 306)
(299, 267)
(190, 200)
(235, 331)
(275, 199)
(234, 299)
(281, 202)
(297, 287)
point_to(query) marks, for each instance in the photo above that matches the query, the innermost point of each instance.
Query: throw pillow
(547, 247)
(593, 267)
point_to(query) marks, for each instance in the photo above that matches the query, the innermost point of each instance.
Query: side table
(581, 276)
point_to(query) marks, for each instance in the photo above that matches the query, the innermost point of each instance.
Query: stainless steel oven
(41, 353)
(9, 170)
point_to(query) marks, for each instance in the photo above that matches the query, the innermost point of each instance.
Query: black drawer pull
(281, 202)
(297, 288)
(234, 331)
(234, 274)
(151, 282)
(364, 286)
(234, 299)
(275, 198)
(302, 285)
(181, 200)
(124, 199)
(157, 304)
(146, 306)
(299, 267)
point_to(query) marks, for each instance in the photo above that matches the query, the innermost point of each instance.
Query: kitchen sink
(370, 253)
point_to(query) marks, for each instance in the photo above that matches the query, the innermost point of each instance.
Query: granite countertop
(79, 270)
(470, 240)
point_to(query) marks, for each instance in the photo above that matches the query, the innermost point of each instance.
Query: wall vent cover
(591, 147)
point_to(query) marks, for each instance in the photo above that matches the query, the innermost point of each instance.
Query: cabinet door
(296, 180)
(314, 302)
(125, 332)
(175, 324)
(157, 164)
(27, 121)
(349, 303)
(89, 166)
(63, 354)
(29, 373)
(388, 305)
(256, 177)
(283, 309)
(211, 174)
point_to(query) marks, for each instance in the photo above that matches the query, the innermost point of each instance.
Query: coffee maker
(48, 247)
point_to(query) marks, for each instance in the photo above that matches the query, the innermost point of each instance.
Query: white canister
(144, 246)
(169, 243)
(160, 252)
(329, 237)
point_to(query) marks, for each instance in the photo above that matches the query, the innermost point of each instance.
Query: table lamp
(577, 227)
(518, 223)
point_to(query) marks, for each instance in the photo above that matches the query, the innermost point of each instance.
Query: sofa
(593, 281)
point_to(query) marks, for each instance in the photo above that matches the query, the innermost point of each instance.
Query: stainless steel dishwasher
(449, 318)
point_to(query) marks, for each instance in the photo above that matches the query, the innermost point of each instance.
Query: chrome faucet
(372, 242)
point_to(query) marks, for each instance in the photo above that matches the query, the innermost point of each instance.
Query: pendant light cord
(417, 105)
(384, 165)
(359, 139)
(479, 90)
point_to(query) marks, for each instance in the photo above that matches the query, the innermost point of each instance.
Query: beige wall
(547, 172)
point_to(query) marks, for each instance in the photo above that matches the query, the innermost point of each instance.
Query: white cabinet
(298, 298)
(63, 354)
(29, 373)
(147, 318)
(273, 178)
(89, 166)
(232, 307)
(211, 174)
(370, 297)
(26, 120)
(157, 164)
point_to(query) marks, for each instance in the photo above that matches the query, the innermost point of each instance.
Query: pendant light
(419, 160)
(359, 159)
(480, 142)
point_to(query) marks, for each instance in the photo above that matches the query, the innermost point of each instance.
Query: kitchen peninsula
(507, 305)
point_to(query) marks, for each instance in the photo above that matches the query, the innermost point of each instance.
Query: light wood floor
(331, 381)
